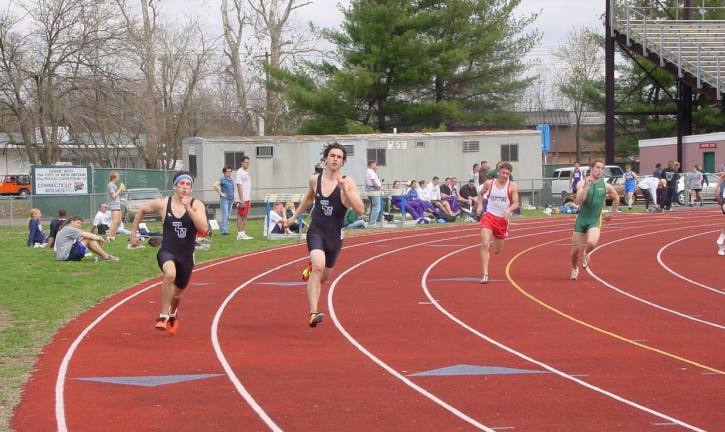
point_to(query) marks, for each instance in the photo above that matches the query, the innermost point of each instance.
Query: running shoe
(161, 323)
(574, 273)
(485, 278)
(316, 318)
(173, 325)
(721, 251)
(307, 272)
(585, 260)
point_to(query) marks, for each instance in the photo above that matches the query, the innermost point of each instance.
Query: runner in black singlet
(720, 196)
(331, 193)
(182, 216)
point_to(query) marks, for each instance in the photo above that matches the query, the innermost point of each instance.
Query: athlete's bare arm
(350, 196)
(197, 212)
(614, 196)
(156, 206)
(514, 200)
(581, 193)
(306, 201)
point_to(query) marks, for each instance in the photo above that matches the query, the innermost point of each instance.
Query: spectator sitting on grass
(276, 219)
(36, 238)
(55, 226)
(352, 220)
(72, 242)
(102, 220)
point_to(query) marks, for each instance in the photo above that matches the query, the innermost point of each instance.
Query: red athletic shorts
(243, 211)
(498, 225)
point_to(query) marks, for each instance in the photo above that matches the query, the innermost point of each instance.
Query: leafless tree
(235, 72)
(582, 66)
(283, 45)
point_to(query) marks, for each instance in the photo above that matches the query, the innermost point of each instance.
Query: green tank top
(591, 208)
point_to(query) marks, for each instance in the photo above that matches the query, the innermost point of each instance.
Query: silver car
(133, 199)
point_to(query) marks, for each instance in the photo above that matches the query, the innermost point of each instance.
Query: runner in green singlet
(590, 197)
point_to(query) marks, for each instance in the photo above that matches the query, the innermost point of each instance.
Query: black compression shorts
(184, 266)
(330, 246)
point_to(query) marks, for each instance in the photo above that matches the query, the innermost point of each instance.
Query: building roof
(378, 136)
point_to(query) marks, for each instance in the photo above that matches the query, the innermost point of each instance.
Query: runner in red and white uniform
(502, 197)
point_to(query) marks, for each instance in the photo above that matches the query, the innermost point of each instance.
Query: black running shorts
(330, 245)
(184, 266)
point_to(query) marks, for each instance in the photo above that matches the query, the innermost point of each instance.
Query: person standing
(658, 171)
(373, 187)
(575, 178)
(182, 217)
(720, 195)
(671, 176)
(244, 189)
(502, 196)
(590, 198)
(113, 195)
(225, 188)
(330, 194)
(694, 181)
(630, 185)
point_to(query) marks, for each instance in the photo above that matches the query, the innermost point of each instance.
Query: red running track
(629, 346)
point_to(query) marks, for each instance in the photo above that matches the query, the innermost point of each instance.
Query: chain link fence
(15, 211)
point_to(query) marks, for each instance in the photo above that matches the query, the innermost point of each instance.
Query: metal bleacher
(689, 48)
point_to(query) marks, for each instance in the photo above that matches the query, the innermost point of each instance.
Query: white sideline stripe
(384, 365)
(434, 302)
(217, 317)
(639, 299)
(659, 260)
(63, 369)
(539, 363)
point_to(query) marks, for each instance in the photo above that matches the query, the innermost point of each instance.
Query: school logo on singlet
(501, 198)
(326, 207)
(180, 230)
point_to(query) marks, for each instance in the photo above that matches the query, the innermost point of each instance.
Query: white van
(560, 181)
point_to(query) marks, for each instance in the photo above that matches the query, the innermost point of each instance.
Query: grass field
(38, 295)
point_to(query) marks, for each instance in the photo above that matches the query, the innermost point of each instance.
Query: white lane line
(241, 389)
(63, 369)
(537, 362)
(639, 299)
(60, 417)
(666, 267)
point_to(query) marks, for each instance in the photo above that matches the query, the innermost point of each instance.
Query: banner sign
(545, 137)
(60, 180)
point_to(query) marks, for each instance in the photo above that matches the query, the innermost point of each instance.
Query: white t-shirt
(649, 183)
(433, 192)
(274, 218)
(498, 199)
(243, 178)
(372, 182)
(102, 218)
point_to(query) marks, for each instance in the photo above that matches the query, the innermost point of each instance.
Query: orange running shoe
(161, 323)
(173, 325)
(307, 272)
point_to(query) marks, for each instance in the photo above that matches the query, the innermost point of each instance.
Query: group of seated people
(444, 201)
(68, 241)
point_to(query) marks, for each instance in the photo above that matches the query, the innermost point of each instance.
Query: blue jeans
(375, 208)
(226, 207)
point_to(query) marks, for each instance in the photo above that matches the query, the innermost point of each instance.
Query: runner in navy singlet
(720, 195)
(332, 193)
(182, 217)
